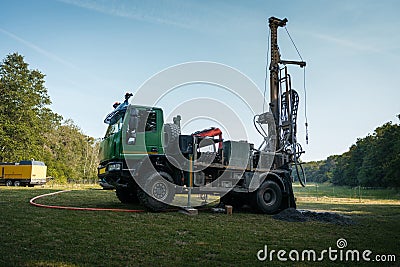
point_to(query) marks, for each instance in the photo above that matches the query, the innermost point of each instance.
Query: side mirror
(133, 124)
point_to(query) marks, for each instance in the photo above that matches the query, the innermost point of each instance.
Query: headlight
(114, 167)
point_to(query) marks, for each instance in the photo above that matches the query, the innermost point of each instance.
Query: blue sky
(92, 52)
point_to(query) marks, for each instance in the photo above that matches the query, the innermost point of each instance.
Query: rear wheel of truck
(127, 195)
(9, 183)
(17, 183)
(268, 197)
(158, 192)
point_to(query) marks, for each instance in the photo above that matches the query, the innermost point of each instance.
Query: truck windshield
(149, 125)
(114, 128)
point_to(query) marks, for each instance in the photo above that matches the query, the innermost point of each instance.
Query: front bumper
(111, 168)
(113, 173)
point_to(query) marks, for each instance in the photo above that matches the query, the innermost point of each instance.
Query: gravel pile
(294, 215)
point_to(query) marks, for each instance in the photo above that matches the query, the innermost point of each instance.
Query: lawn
(33, 236)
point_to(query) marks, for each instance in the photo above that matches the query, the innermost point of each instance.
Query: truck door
(143, 134)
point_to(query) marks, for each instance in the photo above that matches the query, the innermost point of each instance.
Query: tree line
(29, 129)
(373, 161)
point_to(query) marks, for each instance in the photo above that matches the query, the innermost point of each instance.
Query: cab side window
(149, 125)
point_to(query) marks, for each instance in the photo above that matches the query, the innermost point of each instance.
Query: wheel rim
(160, 190)
(269, 197)
(8, 183)
(16, 183)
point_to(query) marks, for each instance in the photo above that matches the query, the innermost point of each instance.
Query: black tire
(171, 135)
(268, 197)
(127, 195)
(17, 183)
(157, 192)
(9, 183)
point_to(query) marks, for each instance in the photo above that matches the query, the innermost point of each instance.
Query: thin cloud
(184, 14)
(53, 57)
(38, 49)
(129, 11)
(348, 43)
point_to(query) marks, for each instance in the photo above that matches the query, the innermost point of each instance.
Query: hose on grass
(32, 202)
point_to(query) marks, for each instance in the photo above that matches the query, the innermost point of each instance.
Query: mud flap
(288, 200)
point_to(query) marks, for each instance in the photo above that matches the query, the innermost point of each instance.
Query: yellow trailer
(26, 172)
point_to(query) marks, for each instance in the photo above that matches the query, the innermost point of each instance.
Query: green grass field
(33, 236)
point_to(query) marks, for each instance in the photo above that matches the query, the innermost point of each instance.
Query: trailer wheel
(9, 183)
(17, 183)
(268, 197)
(127, 194)
(157, 192)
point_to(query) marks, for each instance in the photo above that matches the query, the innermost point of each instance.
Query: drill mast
(283, 100)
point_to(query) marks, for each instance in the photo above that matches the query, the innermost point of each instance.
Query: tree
(320, 171)
(30, 129)
(373, 161)
(24, 114)
(73, 154)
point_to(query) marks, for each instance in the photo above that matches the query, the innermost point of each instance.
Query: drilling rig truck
(149, 161)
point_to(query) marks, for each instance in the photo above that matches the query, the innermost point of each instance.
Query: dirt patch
(294, 215)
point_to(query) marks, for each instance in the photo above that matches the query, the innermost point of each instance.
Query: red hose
(32, 202)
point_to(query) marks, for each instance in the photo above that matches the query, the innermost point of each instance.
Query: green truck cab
(132, 148)
(120, 143)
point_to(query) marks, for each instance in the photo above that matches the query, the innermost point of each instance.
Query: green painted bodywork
(114, 146)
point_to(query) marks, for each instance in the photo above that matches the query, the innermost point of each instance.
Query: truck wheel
(127, 195)
(9, 183)
(17, 183)
(157, 192)
(268, 197)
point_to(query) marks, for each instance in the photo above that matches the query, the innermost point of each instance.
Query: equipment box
(186, 144)
(236, 153)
